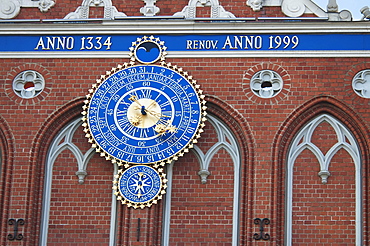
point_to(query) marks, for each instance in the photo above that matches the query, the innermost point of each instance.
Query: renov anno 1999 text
(252, 42)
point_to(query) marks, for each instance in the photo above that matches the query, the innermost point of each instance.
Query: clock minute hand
(157, 115)
(151, 105)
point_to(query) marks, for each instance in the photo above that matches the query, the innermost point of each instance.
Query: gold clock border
(141, 205)
(126, 164)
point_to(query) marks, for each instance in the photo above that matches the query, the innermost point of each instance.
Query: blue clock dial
(140, 184)
(145, 114)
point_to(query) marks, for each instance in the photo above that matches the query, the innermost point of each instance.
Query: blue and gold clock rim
(124, 163)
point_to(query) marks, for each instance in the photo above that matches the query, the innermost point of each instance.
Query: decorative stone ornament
(361, 83)
(324, 175)
(149, 9)
(297, 8)
(203, 175)
(217, 11)
(332, 6)
(10, 8)
(256, 5)
(366, 12)
(266, 83)
(82, 12)
(28, 84)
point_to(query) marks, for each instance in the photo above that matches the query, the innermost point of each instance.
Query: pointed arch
(294, 136)
(233, 149)
(61, 142)
(241, 130)
(303, 141)
(7, 148)
(54, 138)
(39, 149)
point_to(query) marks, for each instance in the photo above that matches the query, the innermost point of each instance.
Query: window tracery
(266, 83)
(303, 141)
(28, 84)
(361, 83)
(225, 140)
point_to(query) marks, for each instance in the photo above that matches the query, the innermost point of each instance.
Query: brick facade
(201, 214)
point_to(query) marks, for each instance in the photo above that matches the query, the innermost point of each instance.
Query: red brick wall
(202, 213)
(80, 213)
(324, 214)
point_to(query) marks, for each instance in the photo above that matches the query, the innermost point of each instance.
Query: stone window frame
(301, 142)
(232, 148)
(28, 84)
(361, 83)
(266, 83)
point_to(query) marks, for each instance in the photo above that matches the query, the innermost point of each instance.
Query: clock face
(145, 114)
(140, 184)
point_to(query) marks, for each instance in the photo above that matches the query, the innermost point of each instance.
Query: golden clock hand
(134, 99)
(157, 115)
(151, 105)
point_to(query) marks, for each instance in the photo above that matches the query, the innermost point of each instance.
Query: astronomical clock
(142, 115)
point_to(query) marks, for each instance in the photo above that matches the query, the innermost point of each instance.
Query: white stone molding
(266, 83)
(225, 140)
(297, 8)
(217, 11)
(10, 8)
(203, 175)
(361, 83)
(149, 9)
(113, 220)
(366, 12)
(301, 142)
(82, 12)
(28, 84)
(332, 6)
(271, 2)
(63, 141)
(256, 5)
(167, 206)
